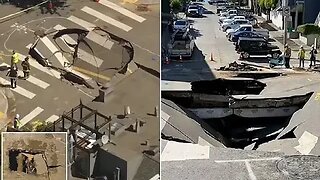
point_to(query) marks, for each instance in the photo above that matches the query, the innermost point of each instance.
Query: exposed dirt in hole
(34, 156)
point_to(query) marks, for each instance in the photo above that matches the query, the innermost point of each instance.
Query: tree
(176, 5)
(267, 6)
(307, 29)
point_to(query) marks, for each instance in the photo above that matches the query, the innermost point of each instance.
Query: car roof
(251, 39)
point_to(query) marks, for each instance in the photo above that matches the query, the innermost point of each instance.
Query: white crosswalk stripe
(31, 79)
(54, 50)
(122, 10)
(52, 118)
(19, 89)
(89, 58)
(38, 66)
(102, 41)
(30, 116)
(106, 18)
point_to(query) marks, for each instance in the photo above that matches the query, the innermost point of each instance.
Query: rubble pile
(234, 66)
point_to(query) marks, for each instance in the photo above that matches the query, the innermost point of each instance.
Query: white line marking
(155, 177)
(52, 118)
(82, 23)
(307, 142)
(38, 82)
(106, 19)
(164, 118)
(30, 116)
(175, 151)
(31, 79)
(243, 160)
(38, 66)
(46, 41)
(19, 89)
(122, 10)
(89, 58)
(251, 174)
(93, 36)
(102, 41)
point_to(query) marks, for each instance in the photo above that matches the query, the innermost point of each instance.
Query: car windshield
(193, 7)
(180, 23)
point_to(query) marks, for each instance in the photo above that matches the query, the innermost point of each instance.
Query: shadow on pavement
(258, 60)
(4, 68)
(56, 4)
(195, 33)
(193, 69)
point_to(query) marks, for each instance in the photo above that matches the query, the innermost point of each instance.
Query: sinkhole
(241, 121)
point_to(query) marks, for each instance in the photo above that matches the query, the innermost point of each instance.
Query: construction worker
(287, 55)
(13, 74)
(15, 59)
(26, 67)
(301, 56)
(313, 54)
(16, 121)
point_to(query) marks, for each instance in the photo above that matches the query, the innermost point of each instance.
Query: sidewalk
(277, 35)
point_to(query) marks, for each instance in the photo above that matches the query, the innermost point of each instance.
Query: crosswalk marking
(122, 10)
(106, 18)
(31, 79)
(30, 116)
(102, 41)
(82, 23)
(89, 58)
(38, 66)
(52, 118)
(54, 50)
(19, 89)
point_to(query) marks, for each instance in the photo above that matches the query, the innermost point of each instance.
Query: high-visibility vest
(15, 58)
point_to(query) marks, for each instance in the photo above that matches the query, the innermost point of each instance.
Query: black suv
(256, 46)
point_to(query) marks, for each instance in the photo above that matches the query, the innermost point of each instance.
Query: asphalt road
(47, 96)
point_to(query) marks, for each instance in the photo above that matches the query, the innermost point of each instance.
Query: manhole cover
(300, 167)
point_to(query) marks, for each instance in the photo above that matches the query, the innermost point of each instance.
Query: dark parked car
(248, 34)
(256, 46)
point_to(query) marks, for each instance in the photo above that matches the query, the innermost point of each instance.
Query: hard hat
(17, 116)
(312, 46)
(301, 46)
(286, 45)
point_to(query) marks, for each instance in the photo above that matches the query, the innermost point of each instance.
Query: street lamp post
(286, 13)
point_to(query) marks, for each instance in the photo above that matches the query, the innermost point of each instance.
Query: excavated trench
(241, 122)
(23, 160)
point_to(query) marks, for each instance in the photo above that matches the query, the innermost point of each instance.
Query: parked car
(256, 46)
(247, 27)
(220, 7)
(195, 10)
(182, 24)
(234, 25)
(248, 34)
(228, 12)
(231, 16)
(181, 44)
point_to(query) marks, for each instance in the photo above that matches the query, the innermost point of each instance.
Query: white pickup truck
(247, 27)
(181, 44)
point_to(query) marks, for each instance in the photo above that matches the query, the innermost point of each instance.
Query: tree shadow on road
(195, 33)
(24, 4)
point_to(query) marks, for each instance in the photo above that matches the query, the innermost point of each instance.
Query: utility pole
(286, 13)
